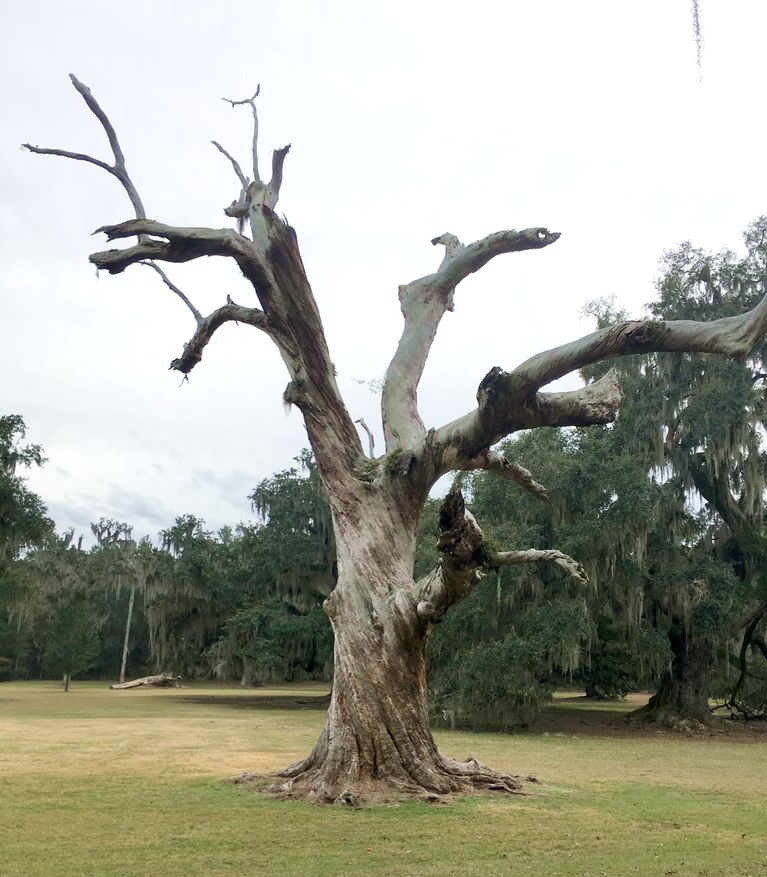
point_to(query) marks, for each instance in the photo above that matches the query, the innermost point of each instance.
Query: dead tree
(160, 681)
(377, 742)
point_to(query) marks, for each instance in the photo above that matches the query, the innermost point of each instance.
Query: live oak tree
(713, 416)
(377, 742)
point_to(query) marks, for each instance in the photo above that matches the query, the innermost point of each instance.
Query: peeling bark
(377, 743)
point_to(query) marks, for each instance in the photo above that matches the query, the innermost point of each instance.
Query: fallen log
(161, 681)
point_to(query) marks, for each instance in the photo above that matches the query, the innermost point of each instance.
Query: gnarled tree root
(686, 722)
(318, 782)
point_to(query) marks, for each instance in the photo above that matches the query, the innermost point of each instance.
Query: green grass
(97, 782)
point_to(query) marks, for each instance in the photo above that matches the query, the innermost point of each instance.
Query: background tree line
(665, 510)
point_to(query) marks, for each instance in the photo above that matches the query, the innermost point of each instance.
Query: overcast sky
(407, 119)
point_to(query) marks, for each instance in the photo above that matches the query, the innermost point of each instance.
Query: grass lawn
(99, 782)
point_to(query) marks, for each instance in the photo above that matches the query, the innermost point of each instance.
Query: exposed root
(673, 720)
(317, 782)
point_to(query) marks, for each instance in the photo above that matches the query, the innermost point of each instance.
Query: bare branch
(732, 336)
(597, 402)
(251, 101)
(272, 194)
(255, 194)
(181, 245)
(76, 156)
(172, 286)
(94, 107)
(465, 558)
(424, 302)
(118, 169)
(498, 464)
(206, 327)
(509, 400)
(371, 438)
(501, 413)
(235, 164)
(533, 555)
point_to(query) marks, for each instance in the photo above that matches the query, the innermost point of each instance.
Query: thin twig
(235, 164)
(172, 286)
(251, 101)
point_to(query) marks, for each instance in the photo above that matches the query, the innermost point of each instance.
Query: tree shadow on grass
(580, 717)
(257, 702)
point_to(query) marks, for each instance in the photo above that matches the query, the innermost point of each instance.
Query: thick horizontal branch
(598, 402)
(180, 245)
(534, 555)
(424, 302)
(731, 336)
(510, 400)
(228, 313)
(463, 261)
(501, 413)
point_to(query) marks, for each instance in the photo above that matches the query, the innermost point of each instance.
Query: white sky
(407, 119)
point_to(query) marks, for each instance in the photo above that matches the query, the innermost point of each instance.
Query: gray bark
(161, 680)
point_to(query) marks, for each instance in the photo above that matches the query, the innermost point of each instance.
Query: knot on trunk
(461, 539)
(490, 386)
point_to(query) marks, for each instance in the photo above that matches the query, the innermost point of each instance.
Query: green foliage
(73, 634)
(280, 643)
(23, 518)
(622, 504)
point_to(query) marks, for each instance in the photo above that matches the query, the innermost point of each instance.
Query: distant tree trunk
(127, 632)
(67, 677)
(681, 699)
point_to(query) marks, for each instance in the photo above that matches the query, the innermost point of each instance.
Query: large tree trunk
(681, 700)
(377, 744)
